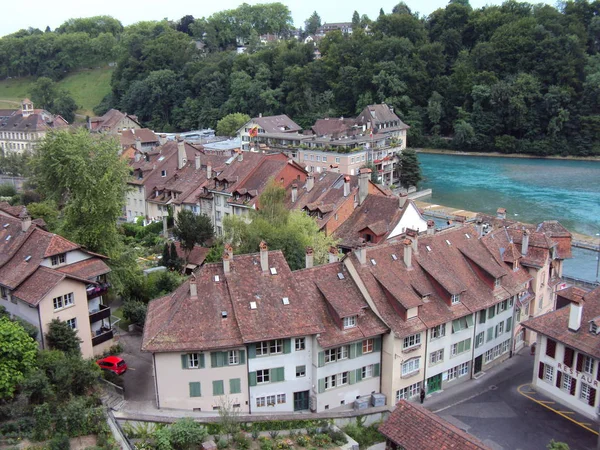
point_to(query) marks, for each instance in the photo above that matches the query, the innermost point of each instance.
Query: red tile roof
(415, 428)
(277, 124)
(145, 135)
(196, 256)
(88, 269)
(38, 285)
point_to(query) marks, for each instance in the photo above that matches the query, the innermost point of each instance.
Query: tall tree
(191, 229)
(61, 336)
(410, 168)
(312, 23)
(229, 124)
(17, 356)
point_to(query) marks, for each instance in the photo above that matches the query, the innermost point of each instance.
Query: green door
(434, 383)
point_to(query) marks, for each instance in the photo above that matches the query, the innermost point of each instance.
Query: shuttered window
(195, 390)
(218, 388)
(235, 386)
(550, 348)
(569, 357)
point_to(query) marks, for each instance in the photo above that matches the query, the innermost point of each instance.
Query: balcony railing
(102, 336)
(97, 290)
(102, 313)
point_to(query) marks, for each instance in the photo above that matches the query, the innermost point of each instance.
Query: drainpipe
(473, 345)
(155, 381)
(424, 365)
(514, 327)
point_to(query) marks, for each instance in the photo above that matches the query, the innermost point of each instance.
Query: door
(300, 400)
(434, 383)
(478, 364)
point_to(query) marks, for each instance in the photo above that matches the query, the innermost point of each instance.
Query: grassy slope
(87, 87)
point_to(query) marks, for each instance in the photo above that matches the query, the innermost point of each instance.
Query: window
(550, 348)
(489, 356)
(235, 386)
(367, 371)
(300, 371)
(497, 282)
(438, 332)
(455, 299)
(72, 323)
(367, 346)
(300, 344)
(462, 324)
(217, 200)
(63, 301)
(234, 357)
(567, 382)
(163, 173)
(337, 159)
(479, 339)
(193, 361)
(452, 373)
(335, 354)
(411, 366)
(263, 376)
(499, 329)
(586, 392)
(548, 373)
(261, 401)
(436, 357)
(412, 341)
(195, 390)
(58, 259)
(339, 379)
(218, 388)
(349, 322)
(463, 369)
(482, 316)
(280, 398)
(273, 347)
(501, 307)
(588, 365)
(218, 215)
(491, 312)
(3, 292)
(408, 392)
(460, 347)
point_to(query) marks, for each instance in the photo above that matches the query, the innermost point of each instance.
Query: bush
(222, 443)
(303, 440)
(321, 440)
(273, 434)
(266, 444)
(365, 436)
(7, 190)
(241, 441)
(59, 442)
(135, 312)
(338, 437)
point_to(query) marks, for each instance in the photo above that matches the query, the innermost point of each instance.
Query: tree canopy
(410, 168)
(229, 124)
(61, 336)
(18, 352)
(191, 229)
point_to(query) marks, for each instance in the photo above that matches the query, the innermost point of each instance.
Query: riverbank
(504, 155)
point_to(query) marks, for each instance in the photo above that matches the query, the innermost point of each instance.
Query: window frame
(368, 346)
(349, 322)
(263, 376)
(416, 341)
(411, 367)
(299, 344)
(438, 331)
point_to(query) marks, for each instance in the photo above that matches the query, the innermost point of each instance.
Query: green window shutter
(468, 344)
(235, 386)
(352, 377)
(455, 326)
(201, 360)
(218, 387)
(213, 359)
(225, 358)
(496, 333)
(252, 378)
(377, 344)
(490, 334)
(321, 359)
(321, 385)
(184, 361)
(352, 351)
(251, 351)
(508, 324)
(195, 390)
(359, 375)
(470, 320)
(358, 348)
(287, 346)
(278, 374)
(242, 356)
(376, 370)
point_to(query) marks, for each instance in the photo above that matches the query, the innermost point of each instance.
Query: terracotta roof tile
(88, 269)
(38, 285)
(196, 256)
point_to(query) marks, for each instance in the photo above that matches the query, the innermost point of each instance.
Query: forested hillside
(516, 78)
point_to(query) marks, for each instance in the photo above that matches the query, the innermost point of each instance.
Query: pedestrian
(422, 395)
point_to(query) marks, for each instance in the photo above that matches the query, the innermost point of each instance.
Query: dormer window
(497, 282)
(593, 328)
(58, 259)
(163, 173)
(349, 322)
(455, 298)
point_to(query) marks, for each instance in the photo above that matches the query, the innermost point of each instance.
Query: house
(344, 27)
(113, 122)
(267, 124)
(195, 258)
(567, 357)
(412, 427)
(22, 130)
(381, 118)
(142, 139)
(44, 276)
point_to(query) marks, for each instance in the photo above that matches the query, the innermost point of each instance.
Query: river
(531, 190)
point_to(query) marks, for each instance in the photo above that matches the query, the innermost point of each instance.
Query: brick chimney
(197, 162)
(310, 183)
(226, 263)
(240, 156)
(402, 200)
(181, 157)
(193, 288)
(407, 253)
(363, 184)
(229, 250)
(575, 313)
(264, 256)
(310, 258)
(413, 236)
(294, 192)
(501, 213)
(346, 186)
(430, 227)
(525, 243)
(333, 254)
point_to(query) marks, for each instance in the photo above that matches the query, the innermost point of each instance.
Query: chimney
(162, 139)
(479, 226)
(346, 186)
(193, 288)
(501, 213)
(407, 253)
(25, 223)
(333, 255)
(294, 192)
(309, 258)
(208, 171)
(413, 235)
(181, 154)
(229, 250)
(138, 144)
(575, 312)
(197, 162)
(240, 156)
(264, 256)
(402, 200)
(137, 156)
(310, 183)
(226, 263)
(430, 227)
(363, 184)
(361, 253)
(525, 243)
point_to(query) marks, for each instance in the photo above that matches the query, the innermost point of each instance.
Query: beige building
(114, 122)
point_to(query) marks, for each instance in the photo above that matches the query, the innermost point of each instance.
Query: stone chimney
(264, 256)
(137, 156)
(334, 168)
(363, 184)
(294, 192)
(310, 183)
(501, 213)
(575, 313)
(197, 162)
(479, 226)
(402, 198)
(361, 253)
(525, 243)
(226, 263)
(162, 139)
(208, 171)
(25, 223)
(407, 253)
(193, 288)
(413, 236)
(310, 258)
(346, 186)
(240, 156)
(138, 144)
(430, 227)
(333, 255)
(181, 157)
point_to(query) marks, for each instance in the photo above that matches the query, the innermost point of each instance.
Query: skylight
(428, 248)
(216, 278)
(273, 271)
(285, 300)
(373, 262)
(223, 314)
(448, 242)
(467, 235)
(8, 237)
(27, 258)
(6, 225)
(340, 276)
(252, 305)
(394, 257)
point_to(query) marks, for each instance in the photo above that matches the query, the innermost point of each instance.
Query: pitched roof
(196, 256)
(276, 124)
(40, 283)
(555, 325)
(331, 126)
(110, 119)
(413, 427)
(40, 120)
(145, 135)
(572, 293)
(380, 114)
(87, 269)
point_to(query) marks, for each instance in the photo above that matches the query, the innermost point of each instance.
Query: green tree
(191, 229)
(83, 174)
(229, 124)
(17, 356)
(410, 168)
(166, 255)
(43, 93)
(186, 434)
(463, 134)
(61, 336)
(64, 105)
(355, 21)
(312, 23)
(135, 312)
(555, 445)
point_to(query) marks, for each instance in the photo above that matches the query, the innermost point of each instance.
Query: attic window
(223, 314)
(340, 276)
(373, 262)
(448, 242)
(6, 225)
(428, 248)
(285, 300)
(8, 237)
(27, 258)
(593, 328)
(394, 257)
(455, 298)
(273, 271)
(252, 305)
(497, 282)
(349, 322)
(216, 278)
(163, 173)
(467, 235)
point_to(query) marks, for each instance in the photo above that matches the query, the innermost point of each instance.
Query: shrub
(273, 434)
(321, 440)
(7, 190)
(311, 431)
(303, 440)
(187, 434)
(284, 444)
(59, 442)
(266, 444)
(241, 441)
(338, 437)
(135, 312)
(365, 436)
(255, 433)
(222, 443)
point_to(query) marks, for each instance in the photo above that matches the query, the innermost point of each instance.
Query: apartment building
(44, 277)
(567, 359)
(249, 133)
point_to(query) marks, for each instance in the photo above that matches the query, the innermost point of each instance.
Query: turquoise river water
(531, 190)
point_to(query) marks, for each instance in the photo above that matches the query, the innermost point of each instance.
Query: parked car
(114, 364)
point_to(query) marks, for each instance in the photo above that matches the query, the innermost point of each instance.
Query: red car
(114, 364)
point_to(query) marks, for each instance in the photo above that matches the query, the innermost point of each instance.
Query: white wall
(70, 258)
(410, 219)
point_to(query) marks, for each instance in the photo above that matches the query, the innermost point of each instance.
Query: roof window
(373, 262)
(285, 300)
(467, 235)
(273, 271)
(252, 305)
(448, 242)
(340, 276)
(8, 237)
(223, 314)
(6, 225)
(428, 248)
(217, 278)
(394, 257)
(27, 258)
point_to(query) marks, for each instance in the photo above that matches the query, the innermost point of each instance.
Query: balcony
(102, 336)
(94, 291)
(102, 313)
